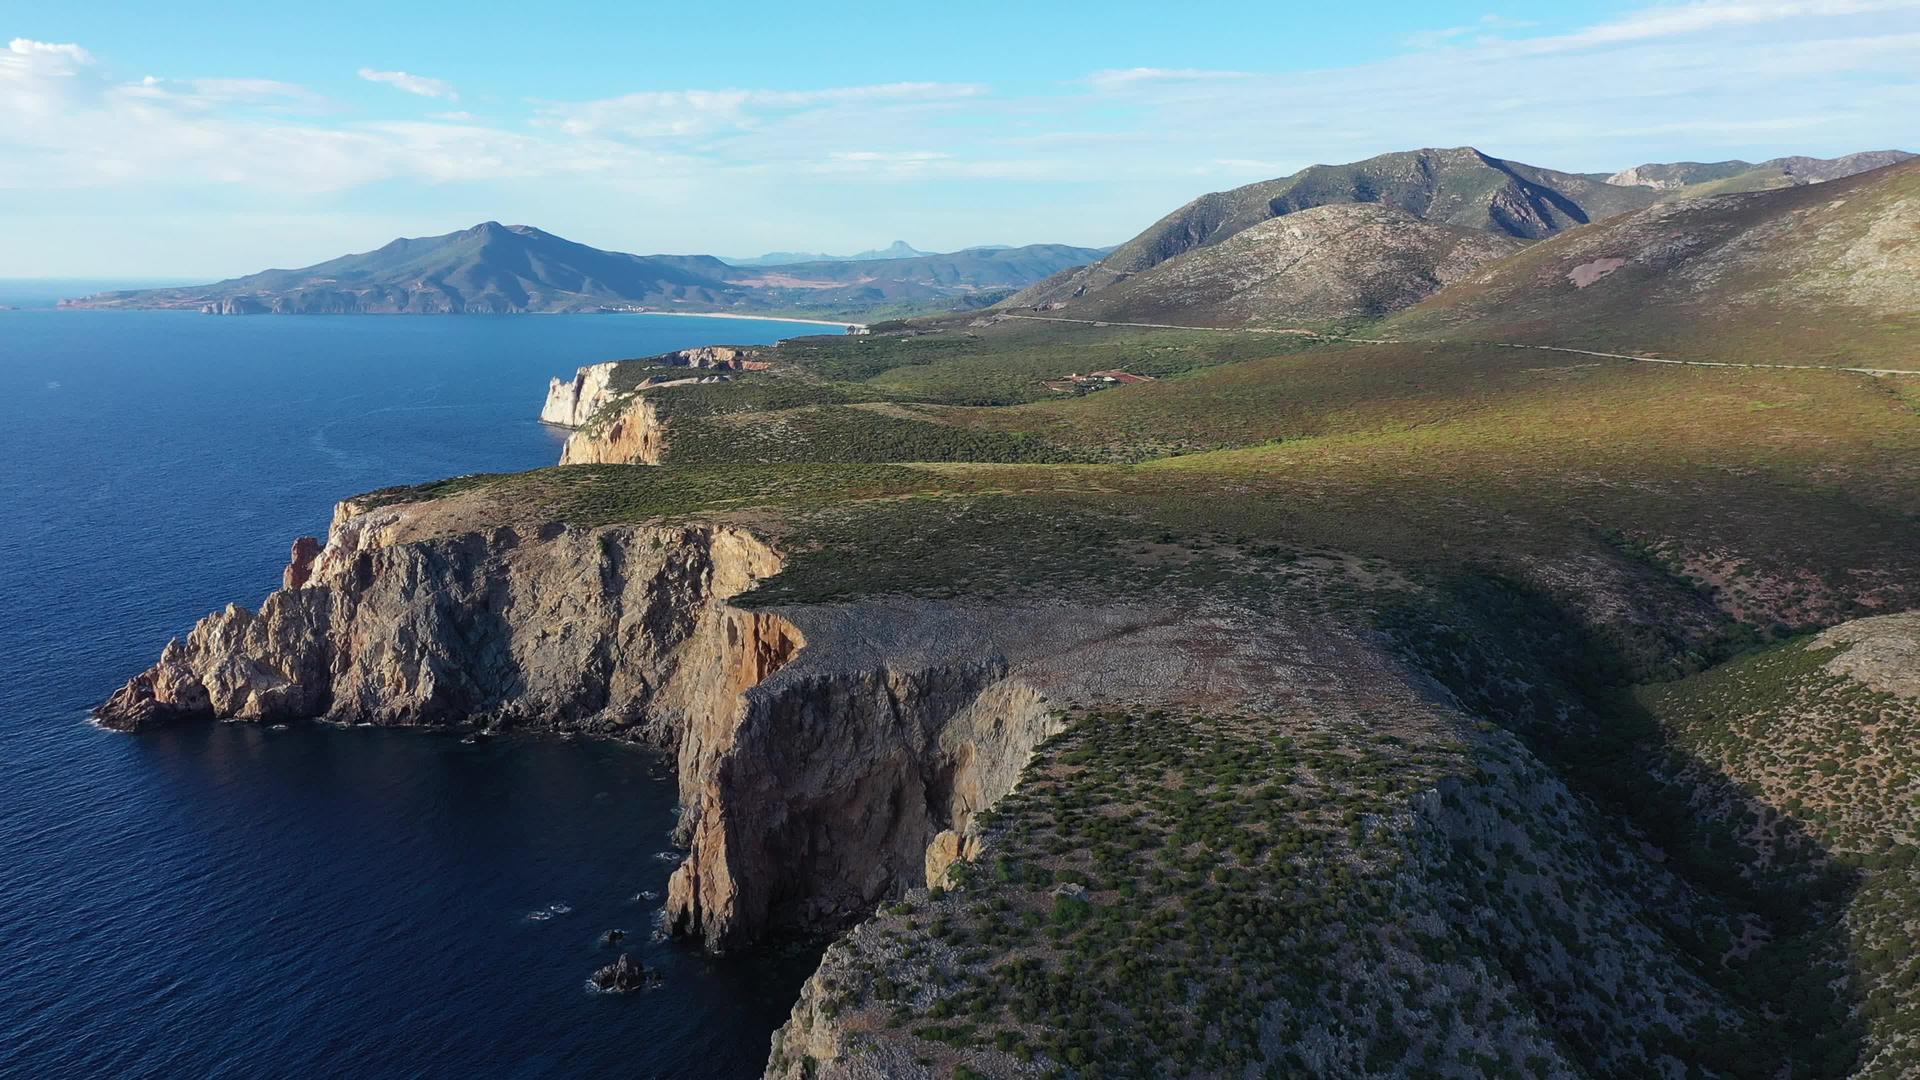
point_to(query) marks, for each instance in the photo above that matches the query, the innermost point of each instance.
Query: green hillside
(1440, 695)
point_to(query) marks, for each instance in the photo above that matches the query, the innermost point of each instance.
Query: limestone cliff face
(634, 437)
(572, 402)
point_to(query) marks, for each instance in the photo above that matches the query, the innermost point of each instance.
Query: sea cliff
(810, 791)
(572, 402)
(618, 424)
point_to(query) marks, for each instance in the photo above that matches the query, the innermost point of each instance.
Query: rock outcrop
(709, 356)
(622, 426)
(1883, 652)
(623, 976)
(235, 305)
(571, 403)
(300, 564)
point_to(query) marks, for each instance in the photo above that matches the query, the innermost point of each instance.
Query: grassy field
(1785, 495)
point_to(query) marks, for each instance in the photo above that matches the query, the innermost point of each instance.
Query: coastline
(850, 327)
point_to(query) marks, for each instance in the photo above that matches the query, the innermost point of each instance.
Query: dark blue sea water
(222, 900)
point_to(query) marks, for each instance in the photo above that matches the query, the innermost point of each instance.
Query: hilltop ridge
(1460, 188)
(1721, 177)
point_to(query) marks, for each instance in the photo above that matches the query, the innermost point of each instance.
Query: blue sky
(199, 139)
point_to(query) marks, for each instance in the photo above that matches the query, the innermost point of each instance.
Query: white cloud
(877, 155)
(1694, 18)
(71, 53)
(412, 84)
(1122, 78)
(1480, 30)
(205, 94)
(1720, 77)
(1087, 159)
(653, 114)
(65, 124)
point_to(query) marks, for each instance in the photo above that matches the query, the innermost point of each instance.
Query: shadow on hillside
(1512, 655)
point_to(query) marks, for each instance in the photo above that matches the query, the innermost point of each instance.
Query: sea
(227, 900)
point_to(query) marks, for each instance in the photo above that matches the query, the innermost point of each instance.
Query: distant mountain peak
(493, 268)
(899, 249)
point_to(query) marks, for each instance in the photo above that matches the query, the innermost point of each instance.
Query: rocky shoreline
(829, 758)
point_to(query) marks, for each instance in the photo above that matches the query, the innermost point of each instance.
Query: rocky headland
(828, 756)
(1412, 704)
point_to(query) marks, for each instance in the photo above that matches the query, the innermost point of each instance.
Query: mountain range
(1330, 245)
(498, 269)
(1221, 260)
(1731, 176)
(899, 249)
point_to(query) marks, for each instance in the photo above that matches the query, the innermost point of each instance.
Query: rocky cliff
(871, 765)
(810, 790)
(821, 750)
(629, 431)
(507, 627)
(571, 403)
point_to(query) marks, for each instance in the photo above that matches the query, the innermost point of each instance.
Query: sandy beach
(850, 326)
